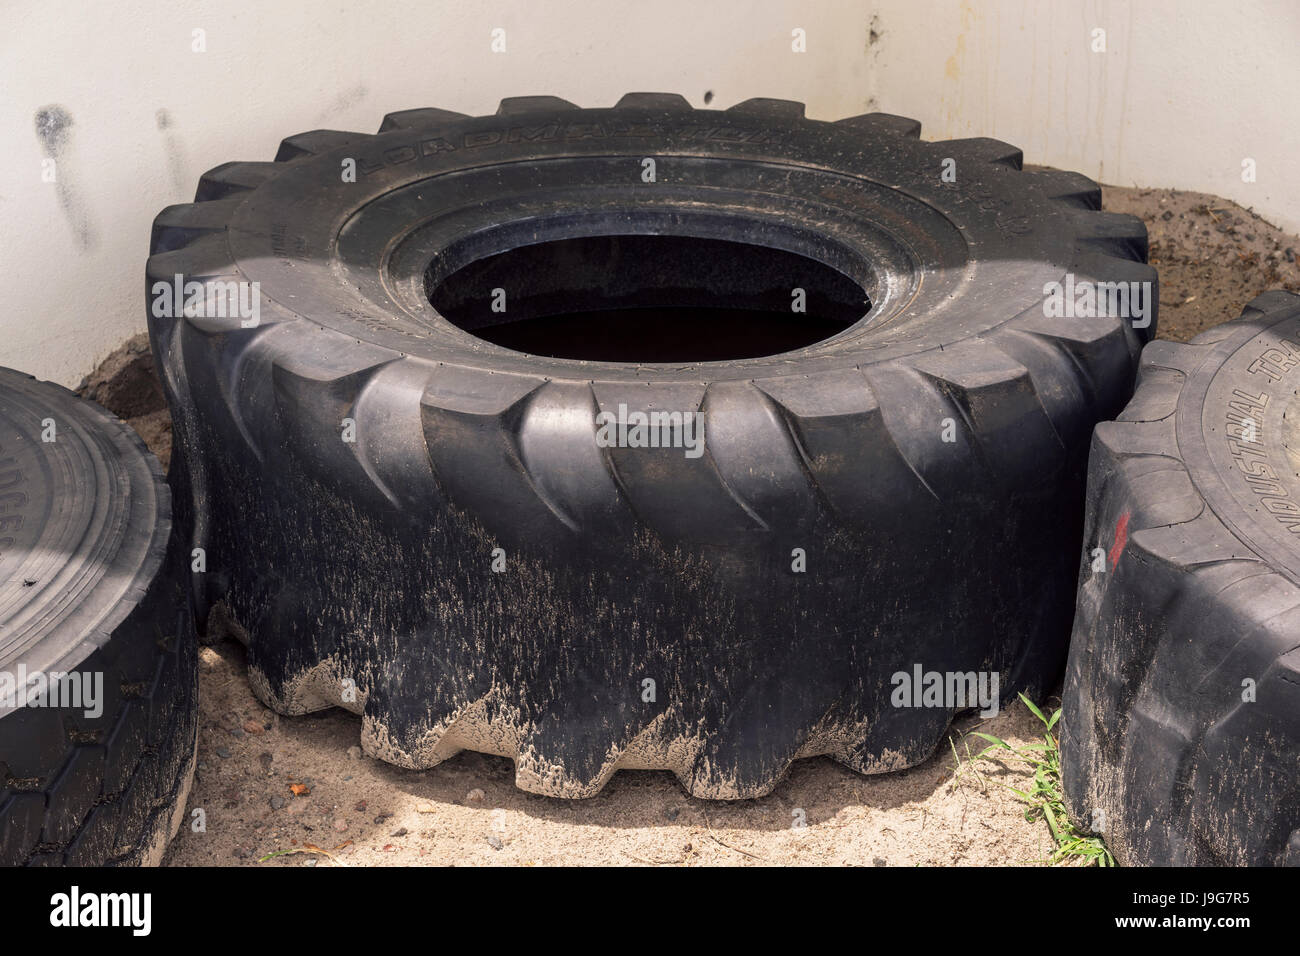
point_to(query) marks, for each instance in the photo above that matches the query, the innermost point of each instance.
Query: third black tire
(1181, 725)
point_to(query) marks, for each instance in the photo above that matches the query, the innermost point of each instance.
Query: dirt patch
(269, 784)
(1212, 255)
(126, 384)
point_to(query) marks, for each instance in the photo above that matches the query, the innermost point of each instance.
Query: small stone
(354, 752)
(223, 753)
(494, 841)
(1168, 214)
(878, 861)
(475, 796)
(340, 824)
(265, 759)
(277, 802)
(399, 833)
(382, 817)
(253, 727)
(360, 806)
(425, 808)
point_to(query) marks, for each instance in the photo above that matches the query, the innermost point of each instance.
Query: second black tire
(98, 665)
(403, 516)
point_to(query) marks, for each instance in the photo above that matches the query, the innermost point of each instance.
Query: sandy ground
(467, 810)
(269, 784)
(1212, 255)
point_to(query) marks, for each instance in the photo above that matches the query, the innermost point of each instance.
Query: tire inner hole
(648, 298)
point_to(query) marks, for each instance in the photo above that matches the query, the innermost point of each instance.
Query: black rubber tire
(1162, 754)
(370, 561)
(90, 586)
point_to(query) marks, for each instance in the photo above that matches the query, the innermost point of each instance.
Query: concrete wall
(131, 113)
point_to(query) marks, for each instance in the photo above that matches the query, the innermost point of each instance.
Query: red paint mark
(1121, 538)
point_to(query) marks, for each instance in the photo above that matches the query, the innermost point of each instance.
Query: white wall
(1182, 94)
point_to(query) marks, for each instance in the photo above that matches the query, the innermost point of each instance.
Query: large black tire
(367, 565)
(89, 586)
(1181, 724)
